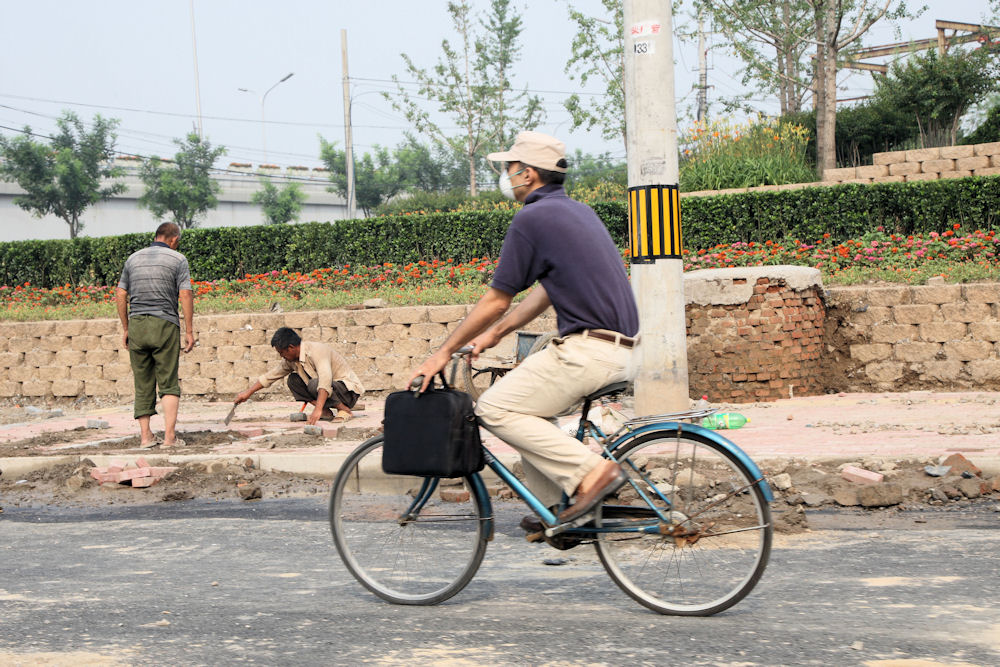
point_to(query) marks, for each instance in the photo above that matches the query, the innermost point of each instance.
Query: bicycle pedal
(575, 523)
(535, 537)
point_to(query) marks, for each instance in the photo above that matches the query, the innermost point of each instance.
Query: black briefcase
(433, 434)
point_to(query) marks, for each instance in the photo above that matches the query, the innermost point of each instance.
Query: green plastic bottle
(721, 420)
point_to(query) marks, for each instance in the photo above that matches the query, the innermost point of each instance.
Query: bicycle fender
(479, 488)
(671, 428)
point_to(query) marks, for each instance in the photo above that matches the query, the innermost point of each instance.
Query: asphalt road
(219, 584)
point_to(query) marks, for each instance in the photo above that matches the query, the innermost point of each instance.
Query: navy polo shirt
(562, 244)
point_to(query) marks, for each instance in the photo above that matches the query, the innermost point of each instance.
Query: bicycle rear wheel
(714, 549)
(419, 555)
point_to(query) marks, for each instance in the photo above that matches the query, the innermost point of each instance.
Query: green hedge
(844, 211)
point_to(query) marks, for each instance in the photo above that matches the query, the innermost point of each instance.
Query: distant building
(123, 215)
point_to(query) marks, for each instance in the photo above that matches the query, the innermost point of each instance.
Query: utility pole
(654, 212)
(702, 72)
(197, 85)
(348, 141)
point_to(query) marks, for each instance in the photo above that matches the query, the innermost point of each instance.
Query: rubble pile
(136, 473)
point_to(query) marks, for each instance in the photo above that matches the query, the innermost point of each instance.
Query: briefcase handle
(419, 380)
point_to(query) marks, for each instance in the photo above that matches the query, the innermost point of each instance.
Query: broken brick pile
(763, 350)
(136, 473)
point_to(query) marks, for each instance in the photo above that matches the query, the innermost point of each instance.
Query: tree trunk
(826, 87)
(473, 190)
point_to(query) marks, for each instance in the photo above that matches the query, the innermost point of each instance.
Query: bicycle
(689, 534)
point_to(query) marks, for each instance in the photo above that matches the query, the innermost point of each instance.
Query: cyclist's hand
(431, 367)
(483, 342)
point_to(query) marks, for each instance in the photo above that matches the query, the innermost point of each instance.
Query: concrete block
(231, 352)
(991, 171)
(85, 342)
(992, 148)
(889, 179)
(904, 168)
(370, 318)
(84, 372)
(860, 475)
(957, 152)
(357, 333)
(408, 315)
(985, 331)
(970, 163)
(923, 154)
(301, 319)
(966, 312)
(964, 173)
(445, 314)
(936, 166)
(98, 423)
(391, 332)
(984, 370)
(373, 348)
(916, 351)
(870, 352)
(982, 292)
(52, 372)
(67, 387)
(942, 371)
(940, 332)
(893, 333)
(885, 371)
(312, 429)
(936, 294)
(889, 158)
(99, 387)
(298, 417)
(411, 347)
(69, 357)
(968, 350)
(231, 384)
(921, 177)
(872, 171)
(915, 314)
(842, 174)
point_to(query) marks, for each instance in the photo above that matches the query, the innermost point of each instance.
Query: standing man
(152, 282)
(317, 374)
(564, 246)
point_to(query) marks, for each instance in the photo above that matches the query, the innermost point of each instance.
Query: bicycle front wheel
(713, 549)
(409, 540)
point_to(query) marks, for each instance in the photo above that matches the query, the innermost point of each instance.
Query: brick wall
(922, 165)
(758, 333)
(754, 334)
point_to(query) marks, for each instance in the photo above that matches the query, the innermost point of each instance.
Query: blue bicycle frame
(667, 429)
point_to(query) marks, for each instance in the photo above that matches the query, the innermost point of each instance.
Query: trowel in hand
(229, 417)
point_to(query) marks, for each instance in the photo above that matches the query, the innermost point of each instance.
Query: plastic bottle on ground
(702, 403)
(724, 420)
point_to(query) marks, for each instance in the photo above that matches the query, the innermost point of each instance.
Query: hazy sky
(134, 61)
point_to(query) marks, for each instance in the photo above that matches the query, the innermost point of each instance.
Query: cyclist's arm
(490, 308)
(531, 307)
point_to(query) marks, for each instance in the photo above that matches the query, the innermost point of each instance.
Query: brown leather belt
(624, 341)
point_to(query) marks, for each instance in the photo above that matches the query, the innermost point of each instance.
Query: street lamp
(263, 120)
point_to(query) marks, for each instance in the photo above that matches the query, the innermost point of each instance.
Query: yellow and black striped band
(654, 223)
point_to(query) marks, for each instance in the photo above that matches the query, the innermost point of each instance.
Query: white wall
(123, 215)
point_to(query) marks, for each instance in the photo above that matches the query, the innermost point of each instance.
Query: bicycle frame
(631, 430)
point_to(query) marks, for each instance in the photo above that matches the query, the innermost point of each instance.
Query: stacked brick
(762, 350)
(916, 337)
(922, 165)
(136, 473)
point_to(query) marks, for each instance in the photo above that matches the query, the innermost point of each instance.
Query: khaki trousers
(520, 409)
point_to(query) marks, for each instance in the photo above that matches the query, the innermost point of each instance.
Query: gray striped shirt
(153, 278)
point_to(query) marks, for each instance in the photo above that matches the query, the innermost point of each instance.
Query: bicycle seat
(616, 388)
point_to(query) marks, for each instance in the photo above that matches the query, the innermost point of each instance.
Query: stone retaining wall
(899, 338)
(753, 334)
(922, 165)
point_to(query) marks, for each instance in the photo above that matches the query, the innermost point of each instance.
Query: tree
(279, 206)
(426, 168)
(784, 30)
(597, 52)
(936, 91)
(183, 187)
(839, 24)
(470, 85)
(377, 177)
(66, 175)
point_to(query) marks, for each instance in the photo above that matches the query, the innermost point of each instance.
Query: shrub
(843, 211)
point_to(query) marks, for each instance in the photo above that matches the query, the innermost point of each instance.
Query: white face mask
(506, 189)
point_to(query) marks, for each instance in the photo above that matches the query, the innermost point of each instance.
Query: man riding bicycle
(561, 244)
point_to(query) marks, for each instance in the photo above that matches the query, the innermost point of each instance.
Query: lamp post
(263, 119)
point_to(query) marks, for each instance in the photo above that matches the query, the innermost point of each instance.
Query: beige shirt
(316, 360)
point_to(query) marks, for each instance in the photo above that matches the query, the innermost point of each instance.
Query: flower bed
(956, 255)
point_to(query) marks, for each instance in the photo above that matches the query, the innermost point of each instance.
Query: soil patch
(226, 478)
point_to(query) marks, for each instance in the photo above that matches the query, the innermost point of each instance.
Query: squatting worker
(564, 246)
(152, 282)
(317, 374)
